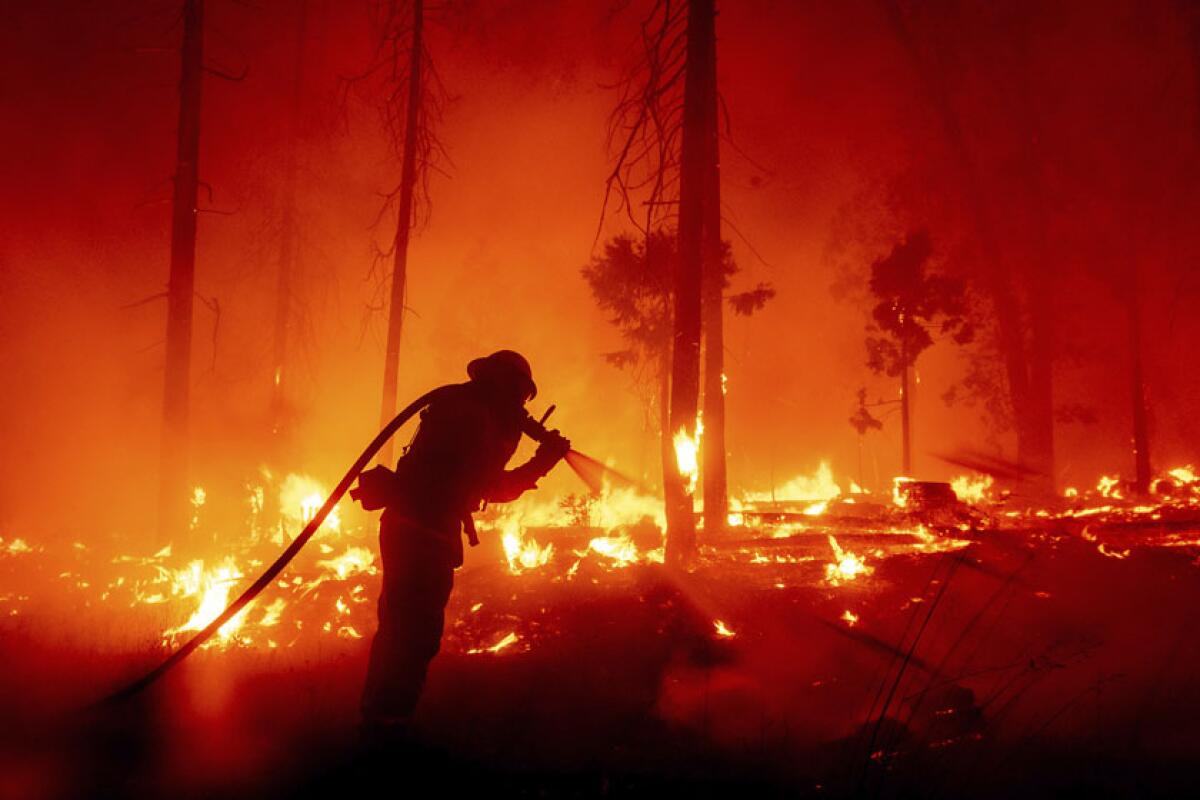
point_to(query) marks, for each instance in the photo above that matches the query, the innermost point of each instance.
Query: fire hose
(586, 467)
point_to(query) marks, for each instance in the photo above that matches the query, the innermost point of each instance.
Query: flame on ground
(300, 498)
(212, 586)
(846, 566)
(504, 643)
(819, 487)
(972, 488)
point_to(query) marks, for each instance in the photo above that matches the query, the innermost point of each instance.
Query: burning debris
(806, 523)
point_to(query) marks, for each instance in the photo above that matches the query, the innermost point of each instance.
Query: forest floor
(1030, 658)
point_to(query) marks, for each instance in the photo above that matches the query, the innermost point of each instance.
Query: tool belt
(379, 487)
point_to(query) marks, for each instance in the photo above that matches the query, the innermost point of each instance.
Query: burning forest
(599, 398)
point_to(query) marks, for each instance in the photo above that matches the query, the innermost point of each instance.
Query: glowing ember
(199, 496)
(15, 547)
(1109, 487)
(899, 498)
(722, 629)
(1117, 554)
(507, 641)
(846, 566)
(849, 617)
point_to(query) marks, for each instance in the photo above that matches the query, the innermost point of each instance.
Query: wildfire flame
(820, 487)
(687, 454)
(523, 553)
(846, 566)
(212, 586)
(972, 489)
(300, 498)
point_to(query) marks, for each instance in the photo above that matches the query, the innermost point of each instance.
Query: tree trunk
(404, 214)
(905, 426)
(664, 413)
(288, 254)
(716, 493)
(685, 353)
(173, 469)
(1141, 432)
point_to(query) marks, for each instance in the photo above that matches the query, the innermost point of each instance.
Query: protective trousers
(418, 575)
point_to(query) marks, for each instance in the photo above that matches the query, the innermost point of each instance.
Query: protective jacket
(456, 462)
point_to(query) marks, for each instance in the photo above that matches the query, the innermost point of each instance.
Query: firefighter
(454, 464)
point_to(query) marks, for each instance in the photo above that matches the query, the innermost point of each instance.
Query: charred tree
(289, 255)
(404, 222)
(685, 342)
(402, 83)
(634, 282)
(664, 131)
(716, 492)
(173, 470)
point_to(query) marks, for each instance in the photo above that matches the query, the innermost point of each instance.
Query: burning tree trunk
(667, 448)
(288, 252)
(716, 498)
(173, 470)
(404, 221)
(685, 352)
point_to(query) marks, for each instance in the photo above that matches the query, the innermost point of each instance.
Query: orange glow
(972, 488)
(687, 455)
(722, 629)
(846, 565)
(508, 641)
(212, 589)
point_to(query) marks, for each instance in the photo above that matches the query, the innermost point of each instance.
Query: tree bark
(404, 215)
(685, 352)
(716, 493)
(664, 412)
(288, 252)
(173, 469)
(905, 425)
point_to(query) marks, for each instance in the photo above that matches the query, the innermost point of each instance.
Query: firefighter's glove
(552, 449)
(375, 488)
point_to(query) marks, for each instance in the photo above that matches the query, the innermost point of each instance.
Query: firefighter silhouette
(455, 463)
